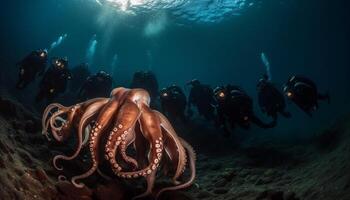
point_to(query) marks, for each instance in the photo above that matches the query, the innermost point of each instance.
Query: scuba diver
(79, 75)
(30, 66)
(235, 107)
(271, 100)
(173, 102)
(54, 80)
(303, 92)
(147, 81)
(202, 97)
(97, 85)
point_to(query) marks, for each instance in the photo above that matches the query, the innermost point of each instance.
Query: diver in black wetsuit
(271, 100)
(79, 75)
(55, 80)
(173, 102)
(98, 85)
(235, 107)
(30, 66)
(303, 92)
(202, 97)
(147, 81)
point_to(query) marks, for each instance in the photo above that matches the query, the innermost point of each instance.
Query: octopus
(135, 141)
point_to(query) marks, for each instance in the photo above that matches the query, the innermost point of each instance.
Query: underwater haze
(217, 42)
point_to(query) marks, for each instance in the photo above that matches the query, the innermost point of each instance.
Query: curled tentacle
(94, 145)
(103, 121)
(62, 178)
(85, 175)
(192, 164)
(181, 154)
(56, 130)
(89, 114)
(127, 117)
(152, 132)
(129, 139)
(46, 114)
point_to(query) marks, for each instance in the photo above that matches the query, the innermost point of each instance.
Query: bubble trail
(58, 42)
(266, 62)
(91, 50)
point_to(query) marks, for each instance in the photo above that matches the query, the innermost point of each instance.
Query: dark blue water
(299, 37)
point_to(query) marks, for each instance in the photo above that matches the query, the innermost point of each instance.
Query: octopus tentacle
(180, 149)
(150, 184)
(129, 139)
(103, 121)
(192, 160)
(127, 117)
(140, 146)
(90, 112)
(86, 134)
(45, 130)
(152, 132)
(73, 114)
(171, 153)
(56, 130)
(48, 110)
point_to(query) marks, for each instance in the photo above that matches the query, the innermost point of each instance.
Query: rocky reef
(269, 170)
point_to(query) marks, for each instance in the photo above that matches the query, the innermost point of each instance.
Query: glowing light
(99, 2)
(289, 94)
(156, 25)
(192, 10)
(58, 63)
(222, 94)
(124, 5)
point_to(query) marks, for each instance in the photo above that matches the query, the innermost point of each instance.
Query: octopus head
(117, 91)
(140, 96)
